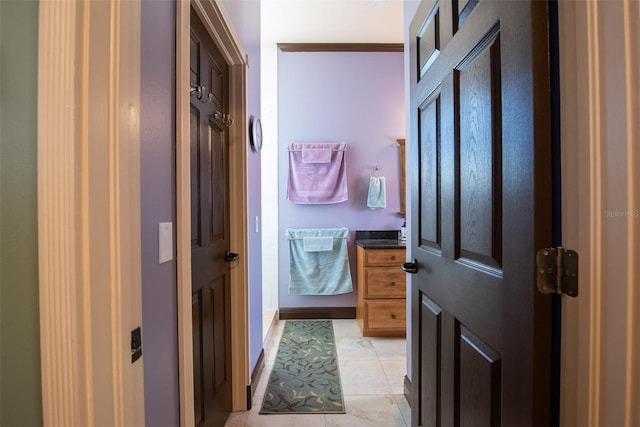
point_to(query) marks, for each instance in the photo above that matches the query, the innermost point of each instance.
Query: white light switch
(165, 242)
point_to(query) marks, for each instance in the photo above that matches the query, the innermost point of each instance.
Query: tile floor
(372, 371)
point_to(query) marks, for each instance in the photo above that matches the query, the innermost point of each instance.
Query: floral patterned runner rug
(305, 378)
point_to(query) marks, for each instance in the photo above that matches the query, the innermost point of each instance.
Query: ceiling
(332, 21)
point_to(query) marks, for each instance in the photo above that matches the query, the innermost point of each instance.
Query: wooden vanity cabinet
(381, 307)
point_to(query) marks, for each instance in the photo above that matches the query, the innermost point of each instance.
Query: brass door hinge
(557, 271)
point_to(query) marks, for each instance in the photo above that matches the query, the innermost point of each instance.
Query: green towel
(317, 244)
(323, 272)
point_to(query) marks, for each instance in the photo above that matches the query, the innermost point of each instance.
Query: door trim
(600, 381)
(218, 24)
(89, 212)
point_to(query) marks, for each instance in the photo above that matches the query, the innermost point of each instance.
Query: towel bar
(332, 149)
(302, 238)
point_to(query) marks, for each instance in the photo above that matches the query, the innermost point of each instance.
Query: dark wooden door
(209, 231)
(480, 209)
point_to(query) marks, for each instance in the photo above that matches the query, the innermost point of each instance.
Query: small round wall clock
(255, 134)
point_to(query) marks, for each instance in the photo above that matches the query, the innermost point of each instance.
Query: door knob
(410, 267)
(230, 256)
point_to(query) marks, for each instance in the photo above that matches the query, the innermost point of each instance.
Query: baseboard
(317, 313)
(255, 377)
(407, 389)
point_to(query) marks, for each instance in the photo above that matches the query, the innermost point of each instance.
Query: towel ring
(375, 170)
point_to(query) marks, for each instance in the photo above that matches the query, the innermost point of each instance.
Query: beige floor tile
(237, 419)
(368, 411)
(395, 370)
(390, 348)
(405, 409)
(346, 328)
(264, 378)
(254, 419)
(363, 377)
(256, 402)
(355, 348)
(273, 339)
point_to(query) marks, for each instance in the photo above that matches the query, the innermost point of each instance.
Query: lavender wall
(157, 187)
(245, 16)
(157, 125)
(352, 97)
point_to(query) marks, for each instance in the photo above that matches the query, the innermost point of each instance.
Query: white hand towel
(377, 197)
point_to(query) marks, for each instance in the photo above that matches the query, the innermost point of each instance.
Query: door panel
(198, 357)
(218, 302)
(478, 82)
(430, 365)
(219, 185)
(430, 207)
(210, 231)
(480, 381)
(195, 177)
(480, 209)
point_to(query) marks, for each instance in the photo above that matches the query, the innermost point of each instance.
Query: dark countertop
(380, 239)
(381, 244)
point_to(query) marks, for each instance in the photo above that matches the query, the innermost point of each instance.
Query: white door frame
(218, 24)
(89, 212)
(600, 113)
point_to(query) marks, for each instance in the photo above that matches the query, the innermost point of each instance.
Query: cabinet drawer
(386, 314)
(392, 257)
(384, 282)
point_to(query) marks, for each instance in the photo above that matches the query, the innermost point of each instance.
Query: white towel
(377, 197)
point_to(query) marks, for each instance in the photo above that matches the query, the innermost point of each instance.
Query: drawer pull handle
(393, 257)
(393, 283)
(393, 315)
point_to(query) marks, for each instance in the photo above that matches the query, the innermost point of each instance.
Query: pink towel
(316, 155)
(317, 183)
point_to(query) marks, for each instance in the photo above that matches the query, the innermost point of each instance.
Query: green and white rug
(305, 378)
